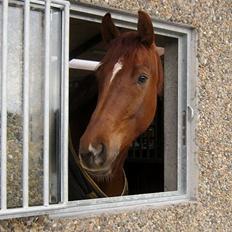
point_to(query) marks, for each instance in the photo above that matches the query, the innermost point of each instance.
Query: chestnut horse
(129, 79)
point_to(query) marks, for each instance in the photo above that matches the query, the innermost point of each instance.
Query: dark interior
(144, 166)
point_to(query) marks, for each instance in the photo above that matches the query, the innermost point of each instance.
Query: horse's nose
(94, 156)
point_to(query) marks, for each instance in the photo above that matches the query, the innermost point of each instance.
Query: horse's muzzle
(94, 157)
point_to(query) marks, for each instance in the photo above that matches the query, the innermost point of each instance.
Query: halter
(94, 189)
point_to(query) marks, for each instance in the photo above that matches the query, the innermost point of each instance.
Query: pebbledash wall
(212, 210)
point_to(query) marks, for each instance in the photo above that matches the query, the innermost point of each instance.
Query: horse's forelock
(123, 47)
(128, 47)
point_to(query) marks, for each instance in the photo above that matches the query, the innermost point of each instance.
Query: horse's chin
(101, 175)
(104, 173)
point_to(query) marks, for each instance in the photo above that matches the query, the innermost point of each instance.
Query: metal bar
(30, 211)
(26, 103)
(46, 104)
(192, 167)
(84, 64)
(181, 147)
(41, 3)
(108, 205)
(125, 19)
(61, 2)
(64, 106)
(4, 107)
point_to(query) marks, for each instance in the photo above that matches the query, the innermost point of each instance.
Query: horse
(127, 84)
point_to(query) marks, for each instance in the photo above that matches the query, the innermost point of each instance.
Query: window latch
(190, 111)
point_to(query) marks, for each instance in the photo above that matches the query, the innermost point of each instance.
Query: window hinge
(184, 128)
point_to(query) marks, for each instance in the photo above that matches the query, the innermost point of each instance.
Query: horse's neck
(114, 186)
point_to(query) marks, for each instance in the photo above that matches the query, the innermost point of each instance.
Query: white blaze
(116, 69)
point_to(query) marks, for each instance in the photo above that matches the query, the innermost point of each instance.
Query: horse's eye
(142, 79)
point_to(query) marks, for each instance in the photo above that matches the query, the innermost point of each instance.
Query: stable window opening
(151, 163)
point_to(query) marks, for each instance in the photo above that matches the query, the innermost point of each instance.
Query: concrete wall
(213, 209)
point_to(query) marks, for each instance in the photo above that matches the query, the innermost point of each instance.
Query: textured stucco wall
(213, 209)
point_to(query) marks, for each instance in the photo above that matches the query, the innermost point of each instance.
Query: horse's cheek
(149, 110)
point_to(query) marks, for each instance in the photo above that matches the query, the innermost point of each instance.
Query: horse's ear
(108, 29)
(145, 29)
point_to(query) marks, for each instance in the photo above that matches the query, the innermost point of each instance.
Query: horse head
(129, 80)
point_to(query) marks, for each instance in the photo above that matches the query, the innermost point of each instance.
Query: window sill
(95, 207)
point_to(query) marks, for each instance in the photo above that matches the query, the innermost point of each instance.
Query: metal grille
(145, 147)
(27, 6)
(148, 147)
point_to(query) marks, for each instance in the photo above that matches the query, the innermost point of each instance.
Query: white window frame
(187, 171)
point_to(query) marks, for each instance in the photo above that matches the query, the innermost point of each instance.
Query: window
(34, 111)
(146, 157)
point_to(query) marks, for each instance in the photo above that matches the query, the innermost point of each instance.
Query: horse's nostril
(100, 158)
(94, 157)
(96, 150)
(87, 158)
(101, 149)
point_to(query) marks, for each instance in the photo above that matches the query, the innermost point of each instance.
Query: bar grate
(48, 7)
